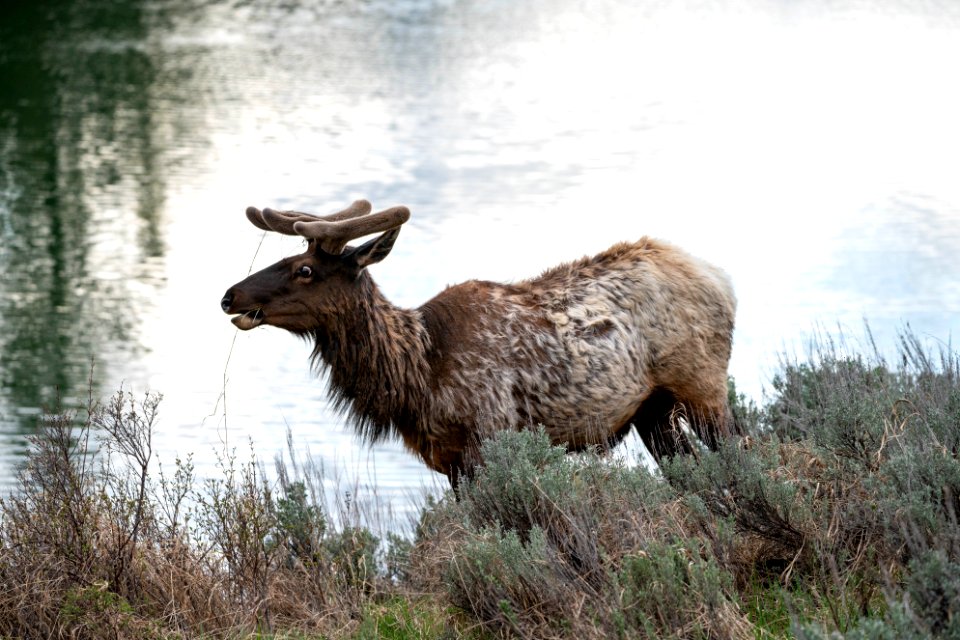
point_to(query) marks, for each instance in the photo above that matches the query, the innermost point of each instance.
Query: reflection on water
(810, 150)
(904, 254)
(79, 201)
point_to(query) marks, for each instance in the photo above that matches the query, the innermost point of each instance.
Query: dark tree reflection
(77, 157)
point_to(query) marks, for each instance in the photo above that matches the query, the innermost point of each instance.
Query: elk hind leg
(657, 422)
(707, 411)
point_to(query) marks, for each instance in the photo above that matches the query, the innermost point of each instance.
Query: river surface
(812, 149)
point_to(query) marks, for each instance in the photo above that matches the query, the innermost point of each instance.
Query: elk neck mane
(375, 356)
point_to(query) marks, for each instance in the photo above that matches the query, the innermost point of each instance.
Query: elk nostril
(226, 301)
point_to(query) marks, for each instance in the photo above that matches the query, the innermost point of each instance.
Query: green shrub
(300, 524)
(544, 544)
(352, 553)
(671, 589)
(933, 592)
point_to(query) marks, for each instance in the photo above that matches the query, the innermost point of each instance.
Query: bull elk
(635, 336)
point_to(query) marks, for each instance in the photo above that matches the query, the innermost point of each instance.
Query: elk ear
(373, 251)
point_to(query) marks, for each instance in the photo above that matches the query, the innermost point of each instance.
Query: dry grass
(836, 516)
(91, 545)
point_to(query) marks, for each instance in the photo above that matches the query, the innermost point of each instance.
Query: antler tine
(283, 221)
(334, 235)
(256, 217)
(355, 210)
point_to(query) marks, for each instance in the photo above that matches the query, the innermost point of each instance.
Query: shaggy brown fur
(635, 336)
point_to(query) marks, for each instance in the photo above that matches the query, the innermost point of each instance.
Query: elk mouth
(248, 320)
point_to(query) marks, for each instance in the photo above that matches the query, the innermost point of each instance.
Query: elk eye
(305, 271)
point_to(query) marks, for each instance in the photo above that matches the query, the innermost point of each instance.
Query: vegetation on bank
(835, 516)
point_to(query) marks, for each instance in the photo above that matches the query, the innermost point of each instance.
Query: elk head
(297, 292)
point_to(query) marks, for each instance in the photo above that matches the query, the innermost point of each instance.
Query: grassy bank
(836, 516)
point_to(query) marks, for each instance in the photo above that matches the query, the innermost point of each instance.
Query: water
(811, 149)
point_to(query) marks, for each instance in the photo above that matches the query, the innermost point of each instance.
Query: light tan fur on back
(579, 348)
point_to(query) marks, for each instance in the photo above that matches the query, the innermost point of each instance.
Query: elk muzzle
(247, 318)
